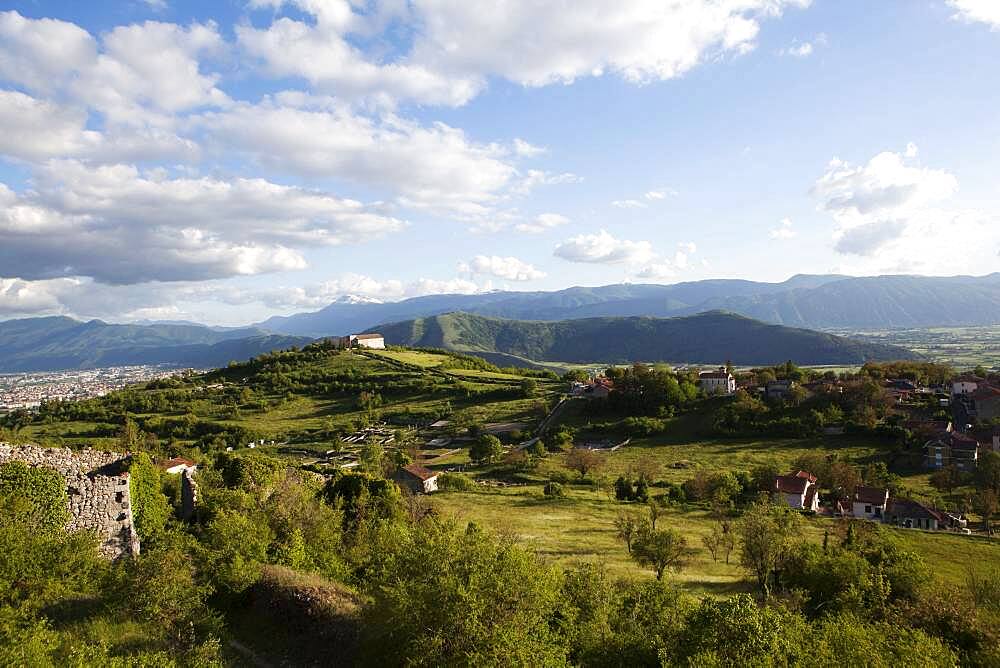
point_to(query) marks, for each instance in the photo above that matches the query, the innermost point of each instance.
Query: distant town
(29, 390)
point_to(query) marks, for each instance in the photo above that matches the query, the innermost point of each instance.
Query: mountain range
(55, 343)
(812, 301)
(709, 338)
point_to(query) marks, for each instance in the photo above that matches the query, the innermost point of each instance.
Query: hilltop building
(717, 382)
(373, 340)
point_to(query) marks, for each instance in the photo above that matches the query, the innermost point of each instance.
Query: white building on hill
(363, 341)
(717, 382)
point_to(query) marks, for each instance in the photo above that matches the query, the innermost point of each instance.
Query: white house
(870, 502)
(417, 479)
(799, 490)
(964, 386)
(178, 465)
(717, 382)
(376, 341)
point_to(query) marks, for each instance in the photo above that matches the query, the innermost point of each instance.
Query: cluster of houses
(722, 382)
(973, 401)
(800, 491)
(596, 388)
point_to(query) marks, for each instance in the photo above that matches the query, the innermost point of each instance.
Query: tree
(529, 388)
(986, 504)
(626, 526)
(372, 456)
(486, 449)
(583, 461)
(656, 509)
(557, 441)
(766, 533)
(661, 549)
(946, 479)
(988, 471)
(712, 542)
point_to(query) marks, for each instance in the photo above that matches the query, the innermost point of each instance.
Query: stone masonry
(98, 488)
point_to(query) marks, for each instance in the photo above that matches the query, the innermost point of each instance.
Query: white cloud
(42, 54)
(536, 44)
(509, 268)
(783, 231)
(984, 11)
(524, 149)
(886, 184)
(542, 222)
(321, 54)
(890, 218)
(661, 193)
(628, 204)
(118, 225)
(435, 168)
(352, 288)
(537, 177)
(658, 271)
(602, 248)
(455, 46)
(799, 49)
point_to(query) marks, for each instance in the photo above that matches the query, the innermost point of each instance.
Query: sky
(227, 161)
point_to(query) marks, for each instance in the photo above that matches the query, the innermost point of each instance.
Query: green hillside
(703, 338)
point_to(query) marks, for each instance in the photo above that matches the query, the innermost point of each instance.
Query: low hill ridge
(705, 338)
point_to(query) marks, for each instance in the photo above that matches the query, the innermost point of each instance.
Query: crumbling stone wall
(98, 490)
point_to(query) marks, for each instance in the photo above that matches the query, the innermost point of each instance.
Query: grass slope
(704, 338)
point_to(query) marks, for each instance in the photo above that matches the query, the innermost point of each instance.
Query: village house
(913, 515)
(178, 465)
(778, 389)
(870, 502)
(375, 341)
(964, 385)
(799, 490)
(717, 382)
(985, 403)
(952, 449)
(417, 479)
(599, 388)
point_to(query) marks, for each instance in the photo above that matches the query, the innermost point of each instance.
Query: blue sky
(226, 161)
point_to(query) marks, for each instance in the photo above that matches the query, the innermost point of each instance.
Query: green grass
(580, 529)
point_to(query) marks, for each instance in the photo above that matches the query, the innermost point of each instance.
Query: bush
(455, 482)
(43, 489)
(149, 505)
(554, 490)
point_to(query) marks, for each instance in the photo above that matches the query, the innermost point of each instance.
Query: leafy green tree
(661, 549)
(486, 449)
(627, 526)
(583, 461)
(446, 597)
(161, 588)
(372, 456)
(235, 548)
(767, 533)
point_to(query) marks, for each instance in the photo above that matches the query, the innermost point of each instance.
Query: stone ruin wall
(97, 485)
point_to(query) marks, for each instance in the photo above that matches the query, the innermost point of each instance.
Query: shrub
(554, 490)
(44, 490)
(455, 482)
(149, 505)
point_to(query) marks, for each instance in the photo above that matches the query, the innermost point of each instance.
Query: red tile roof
(873, 495)
(790, 484)
(176, 461)
(420, 472)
